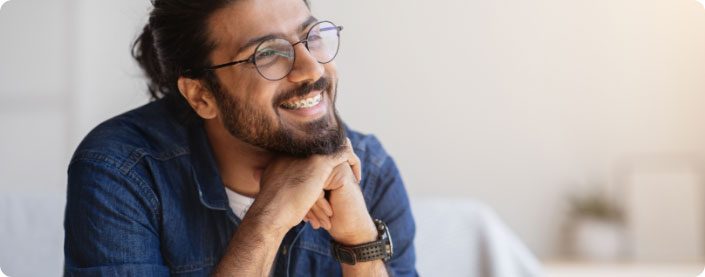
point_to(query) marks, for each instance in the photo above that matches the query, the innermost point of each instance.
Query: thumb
(353, 160)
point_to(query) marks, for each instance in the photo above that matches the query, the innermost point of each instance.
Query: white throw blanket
(461, 237)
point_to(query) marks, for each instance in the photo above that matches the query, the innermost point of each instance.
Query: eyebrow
(257, 40)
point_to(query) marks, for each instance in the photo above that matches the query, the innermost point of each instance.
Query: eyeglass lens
(274, 58)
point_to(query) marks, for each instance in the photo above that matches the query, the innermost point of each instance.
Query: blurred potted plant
(596, 227)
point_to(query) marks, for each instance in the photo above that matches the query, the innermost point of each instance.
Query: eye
(264, 53)
(314, 37)
(314, 41)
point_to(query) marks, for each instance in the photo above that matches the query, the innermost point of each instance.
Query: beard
(323, 136)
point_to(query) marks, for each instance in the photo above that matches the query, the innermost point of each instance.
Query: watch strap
(375, 250)
(352, 254)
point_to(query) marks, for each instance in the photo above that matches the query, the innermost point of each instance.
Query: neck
(240, 164)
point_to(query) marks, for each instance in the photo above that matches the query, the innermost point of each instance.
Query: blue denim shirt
(145, 198)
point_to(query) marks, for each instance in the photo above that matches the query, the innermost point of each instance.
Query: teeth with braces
(305, 103)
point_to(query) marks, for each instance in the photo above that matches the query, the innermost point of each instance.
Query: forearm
(372, 269)
(252, 249)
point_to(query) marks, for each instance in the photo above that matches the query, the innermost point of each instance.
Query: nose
(306, 67)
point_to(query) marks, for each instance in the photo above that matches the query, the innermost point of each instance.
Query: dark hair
(175, 40)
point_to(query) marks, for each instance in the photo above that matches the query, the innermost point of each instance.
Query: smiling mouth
(303, 103)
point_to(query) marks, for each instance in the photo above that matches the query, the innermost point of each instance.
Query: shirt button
(284, 250)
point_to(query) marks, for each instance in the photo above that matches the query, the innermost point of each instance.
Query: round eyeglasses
(274, 58)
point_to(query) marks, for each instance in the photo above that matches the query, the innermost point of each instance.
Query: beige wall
(515, 103)
(518, 103)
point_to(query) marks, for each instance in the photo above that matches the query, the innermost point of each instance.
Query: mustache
(320, 84)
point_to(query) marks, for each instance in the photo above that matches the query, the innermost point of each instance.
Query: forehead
(244, 20)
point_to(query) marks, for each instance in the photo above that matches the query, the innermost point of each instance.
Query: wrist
(382, 248)
(367, 233)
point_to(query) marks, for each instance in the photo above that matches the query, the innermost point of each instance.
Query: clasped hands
(292, 190)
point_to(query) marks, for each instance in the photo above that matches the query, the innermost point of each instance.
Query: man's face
(259, 111)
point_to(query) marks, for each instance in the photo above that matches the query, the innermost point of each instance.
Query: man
(241, 167)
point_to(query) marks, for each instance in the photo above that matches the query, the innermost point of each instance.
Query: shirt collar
(211, 189)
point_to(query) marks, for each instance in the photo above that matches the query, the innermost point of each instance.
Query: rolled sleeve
(393, 208)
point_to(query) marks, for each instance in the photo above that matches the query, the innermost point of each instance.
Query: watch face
(387, 237)
(391, 245)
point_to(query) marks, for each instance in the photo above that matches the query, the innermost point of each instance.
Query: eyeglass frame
(251, 59)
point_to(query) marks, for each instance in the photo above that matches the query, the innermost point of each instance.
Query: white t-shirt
(240, 204)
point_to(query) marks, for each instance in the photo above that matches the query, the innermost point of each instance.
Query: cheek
(260, 96)
(331, 69)
(332, 72)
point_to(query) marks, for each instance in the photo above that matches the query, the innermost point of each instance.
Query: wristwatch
(382, 248)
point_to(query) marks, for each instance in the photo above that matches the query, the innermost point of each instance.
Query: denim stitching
(315, 247)
(183, 268)
(373, 177)
(135, 157)
(154, 201)
(179, 151)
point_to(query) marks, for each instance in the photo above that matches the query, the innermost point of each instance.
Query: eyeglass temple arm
(340, 28)
(250, 59)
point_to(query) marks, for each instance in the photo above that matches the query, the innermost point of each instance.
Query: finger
(354, 161)
(324, 205)
(323, 219)
(309, 216)
(356, 166)
(333, 181)
(314, 222)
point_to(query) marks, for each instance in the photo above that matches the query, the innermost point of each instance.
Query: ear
(200, 98)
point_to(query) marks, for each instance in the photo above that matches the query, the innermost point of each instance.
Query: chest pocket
(194, 239)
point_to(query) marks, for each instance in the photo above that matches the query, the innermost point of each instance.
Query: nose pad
(306, 67)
